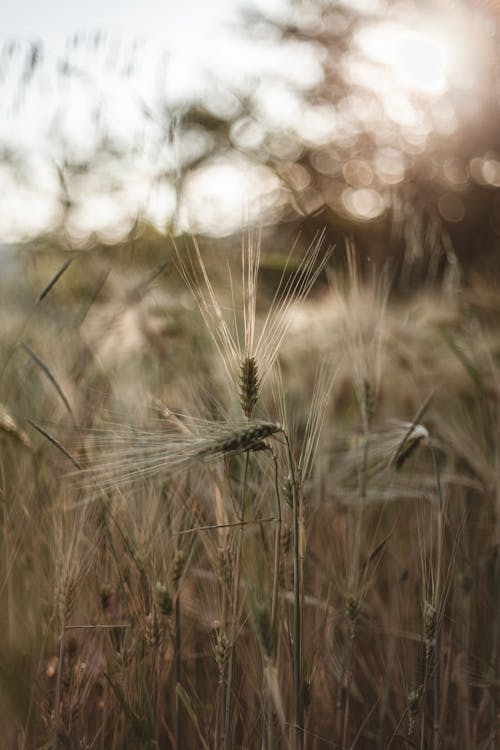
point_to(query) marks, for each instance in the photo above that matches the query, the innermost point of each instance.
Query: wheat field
(248, 505)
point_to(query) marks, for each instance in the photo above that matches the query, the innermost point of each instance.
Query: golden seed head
(66, 598)
(414, 699)
(430, 621)
(222, 649)
(430, 627)
(163, 599)
(153, 632)
(249, 385)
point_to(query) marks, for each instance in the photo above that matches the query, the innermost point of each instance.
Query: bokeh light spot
(390, 165)
(491, 172)
(365, 203)
(358, 173)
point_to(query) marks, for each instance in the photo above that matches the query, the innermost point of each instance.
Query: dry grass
(285, 526)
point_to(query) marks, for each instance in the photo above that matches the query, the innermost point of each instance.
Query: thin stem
(494, 655)
(121, 626)
(268, 734)
(349, 670)
(465, 678)
(276, 546)
(437, 594)
(359, 518)
(57, 699)
(297, 614)
(496, 614)
(234, 613)
(177, 670)
(354, 587)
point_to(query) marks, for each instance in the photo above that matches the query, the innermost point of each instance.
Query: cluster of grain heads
(320, 602)
(230, 477)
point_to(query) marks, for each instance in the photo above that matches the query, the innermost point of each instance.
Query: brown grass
(158, 599)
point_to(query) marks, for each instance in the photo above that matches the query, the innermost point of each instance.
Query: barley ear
(249, 384)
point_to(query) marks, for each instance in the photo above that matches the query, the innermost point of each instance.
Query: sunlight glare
(221, 194)
(417, 60)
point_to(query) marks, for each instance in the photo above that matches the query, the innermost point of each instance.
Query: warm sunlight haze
(74, 81)
(250, 375)
(412, 59)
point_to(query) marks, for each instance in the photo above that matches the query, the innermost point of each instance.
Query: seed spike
(249, 385)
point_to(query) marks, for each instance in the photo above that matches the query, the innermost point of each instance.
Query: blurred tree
(395, 140)
(404, 168)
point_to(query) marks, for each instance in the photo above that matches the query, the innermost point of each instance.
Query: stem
(355, 585)
(437, 686)
(234, 613)
(267, 731)
(267, 719)
(57, 699)
(276, 548)
(360, 512)
(177, 671)
(496, 615)
(437, 594)
(465, 678)
(352, 636)
(297, 614)
(340, 698)
(494, 654)
(220, 703)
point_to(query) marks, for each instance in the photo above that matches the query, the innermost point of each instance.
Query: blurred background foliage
(402, 153)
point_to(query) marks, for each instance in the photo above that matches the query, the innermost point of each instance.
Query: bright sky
(166, 20)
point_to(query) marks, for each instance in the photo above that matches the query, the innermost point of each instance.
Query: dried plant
(311, 572)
